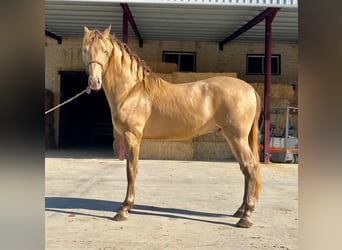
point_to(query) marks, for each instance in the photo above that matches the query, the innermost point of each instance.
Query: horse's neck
(118, 84)
(116, 87)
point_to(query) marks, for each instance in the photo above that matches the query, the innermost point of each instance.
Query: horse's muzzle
(94, 82)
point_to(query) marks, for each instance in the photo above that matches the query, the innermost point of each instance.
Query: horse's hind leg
(241, 209)
(132, 145)
(248, 166)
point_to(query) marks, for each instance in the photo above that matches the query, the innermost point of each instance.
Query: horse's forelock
(94, 36)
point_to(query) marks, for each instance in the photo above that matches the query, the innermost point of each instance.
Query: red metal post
(125, 40)
(126, 10)
(267, 85)
(124, 26)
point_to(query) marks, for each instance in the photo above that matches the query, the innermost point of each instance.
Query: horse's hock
(210, 146)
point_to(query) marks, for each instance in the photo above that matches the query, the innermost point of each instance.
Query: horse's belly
(172, 128)
(166, 130)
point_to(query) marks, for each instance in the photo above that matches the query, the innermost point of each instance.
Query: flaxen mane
(138, 67)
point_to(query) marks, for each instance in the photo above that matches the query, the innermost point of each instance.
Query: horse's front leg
(132, 144)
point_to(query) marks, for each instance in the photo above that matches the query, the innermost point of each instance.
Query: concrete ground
(179, 204)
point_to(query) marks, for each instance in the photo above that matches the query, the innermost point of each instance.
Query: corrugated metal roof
(198, 20)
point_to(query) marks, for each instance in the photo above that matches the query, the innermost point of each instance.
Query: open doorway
(86, 121)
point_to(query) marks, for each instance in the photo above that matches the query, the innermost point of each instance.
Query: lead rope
(87, 90)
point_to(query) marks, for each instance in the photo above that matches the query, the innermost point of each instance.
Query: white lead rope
(87, 90)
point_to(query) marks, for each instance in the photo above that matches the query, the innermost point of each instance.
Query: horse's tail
(254, 144)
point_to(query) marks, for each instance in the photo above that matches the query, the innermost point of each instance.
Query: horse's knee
(131, 139)
(132, 144)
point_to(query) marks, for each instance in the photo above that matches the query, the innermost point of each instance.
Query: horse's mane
(135, 64)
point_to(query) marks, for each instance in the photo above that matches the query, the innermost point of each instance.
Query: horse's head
(96, 51)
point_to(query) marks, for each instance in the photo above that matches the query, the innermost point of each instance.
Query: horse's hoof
(238, 213)
(245, 223)
(120, 216)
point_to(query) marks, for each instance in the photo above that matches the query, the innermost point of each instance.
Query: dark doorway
(86, 121)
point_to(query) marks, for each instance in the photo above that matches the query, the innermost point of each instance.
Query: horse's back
(230, 84)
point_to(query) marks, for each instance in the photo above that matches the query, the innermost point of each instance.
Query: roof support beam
(54, 36)
(266, 13)
(127, 14)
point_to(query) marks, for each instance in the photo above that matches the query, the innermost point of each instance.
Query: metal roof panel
(176, 20)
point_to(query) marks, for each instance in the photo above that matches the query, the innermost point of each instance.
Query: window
(256, 64)
(186, 61)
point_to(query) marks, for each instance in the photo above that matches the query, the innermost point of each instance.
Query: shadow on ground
(67, 204)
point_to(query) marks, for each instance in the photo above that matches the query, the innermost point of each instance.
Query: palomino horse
(145, 106)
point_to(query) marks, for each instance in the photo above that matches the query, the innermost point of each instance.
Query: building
(192, 33)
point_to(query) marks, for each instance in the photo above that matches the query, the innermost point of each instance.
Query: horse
(143, 105)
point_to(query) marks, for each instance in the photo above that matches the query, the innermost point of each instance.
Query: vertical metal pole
(125, 40)
(287, 126)
(126, 10)
(267, 88)
(125, 26)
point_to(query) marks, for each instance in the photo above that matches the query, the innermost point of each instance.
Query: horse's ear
(86, 30)
(106, 32)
